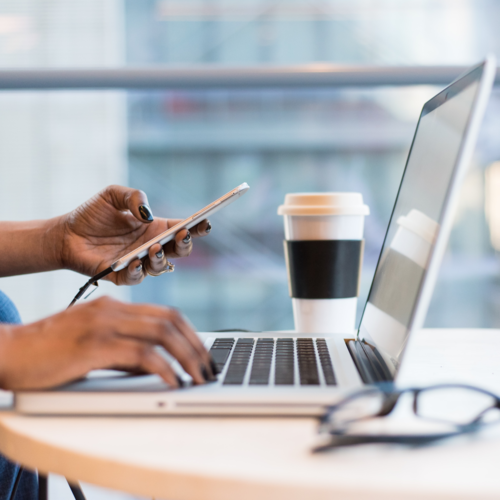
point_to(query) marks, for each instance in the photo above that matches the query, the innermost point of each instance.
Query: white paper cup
(328, 229)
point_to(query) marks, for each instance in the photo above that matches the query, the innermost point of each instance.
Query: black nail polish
(208, 228)
(205, 374)
(179, 381)
(159, 254)
(213, 365)
(187, 239)
(139, 267)
(146, 213)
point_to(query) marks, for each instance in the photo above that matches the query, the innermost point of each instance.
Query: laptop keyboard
(267, 361)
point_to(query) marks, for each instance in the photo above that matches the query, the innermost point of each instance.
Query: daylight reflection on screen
(414, 225)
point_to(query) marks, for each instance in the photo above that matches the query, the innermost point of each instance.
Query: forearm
(30, 246)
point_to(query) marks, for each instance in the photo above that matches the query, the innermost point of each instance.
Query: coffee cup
(324, 252)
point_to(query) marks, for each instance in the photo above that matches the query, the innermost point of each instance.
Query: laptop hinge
(369, 363)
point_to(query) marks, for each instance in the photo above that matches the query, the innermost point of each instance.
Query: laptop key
(284, 363)
(220, 355)
(220, 350)
(326, 362)
(239, 362)
(261, 365)
(308, 369)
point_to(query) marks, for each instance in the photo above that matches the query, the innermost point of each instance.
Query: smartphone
(188, 223)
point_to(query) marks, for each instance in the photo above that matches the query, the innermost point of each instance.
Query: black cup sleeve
(324, 269)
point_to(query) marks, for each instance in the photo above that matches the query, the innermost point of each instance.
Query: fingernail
(159, 254)
(205, 374)
(179, 381)
(208, 228)
(213, 365)
(138, 267)
(146, 213)
(187, 239)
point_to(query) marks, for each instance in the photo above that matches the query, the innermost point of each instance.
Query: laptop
(288, 373)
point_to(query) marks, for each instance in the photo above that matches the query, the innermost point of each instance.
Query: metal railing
(250, 77)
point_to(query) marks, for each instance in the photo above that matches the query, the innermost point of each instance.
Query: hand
(114, 222)
(104, 333)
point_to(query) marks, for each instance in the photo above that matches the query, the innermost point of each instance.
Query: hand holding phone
(188, 223)
(165, 237)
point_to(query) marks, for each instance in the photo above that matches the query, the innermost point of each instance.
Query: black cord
(76, 490)
(91, 281)
(43, 487)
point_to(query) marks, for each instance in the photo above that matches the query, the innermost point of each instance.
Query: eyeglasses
(455, 408)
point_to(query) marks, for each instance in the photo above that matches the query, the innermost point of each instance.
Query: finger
(180, 246)
(157, 258)
(185, 327)
(181, 326)
(135, 200)
(201, 229)
(163, 332)
(133, 274)
(183, 243)
(137, 356)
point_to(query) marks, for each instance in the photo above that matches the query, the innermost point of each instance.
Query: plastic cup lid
(323, 204)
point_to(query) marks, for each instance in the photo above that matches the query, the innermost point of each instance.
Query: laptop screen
(416, 218)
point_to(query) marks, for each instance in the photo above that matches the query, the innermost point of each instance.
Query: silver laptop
(286, 373)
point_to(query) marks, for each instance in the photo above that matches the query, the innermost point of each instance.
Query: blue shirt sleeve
(8, 311)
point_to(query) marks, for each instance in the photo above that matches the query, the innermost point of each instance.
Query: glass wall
(184, 148)
(398, 32)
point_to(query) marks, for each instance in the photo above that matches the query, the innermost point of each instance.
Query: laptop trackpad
(116, 381)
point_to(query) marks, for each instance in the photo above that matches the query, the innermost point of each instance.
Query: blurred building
(184, 148)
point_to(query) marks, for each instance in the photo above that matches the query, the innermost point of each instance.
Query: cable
(76, 490)
(91, 281)
(43, 487)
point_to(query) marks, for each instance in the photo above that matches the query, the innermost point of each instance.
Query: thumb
(135, 200)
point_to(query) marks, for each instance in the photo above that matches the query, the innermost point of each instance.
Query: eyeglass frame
(341, 439)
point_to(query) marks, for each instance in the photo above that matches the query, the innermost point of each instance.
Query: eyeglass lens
(457, 405)
(363, 406)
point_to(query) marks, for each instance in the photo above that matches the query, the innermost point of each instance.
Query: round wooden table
(188, 458)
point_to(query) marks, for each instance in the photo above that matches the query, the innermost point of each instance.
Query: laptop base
(322, 373)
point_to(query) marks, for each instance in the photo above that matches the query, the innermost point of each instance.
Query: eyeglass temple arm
(339, 441)
(477, 420)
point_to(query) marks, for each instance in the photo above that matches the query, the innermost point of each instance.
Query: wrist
(31, 246)
(5, 354)
(53, 238)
